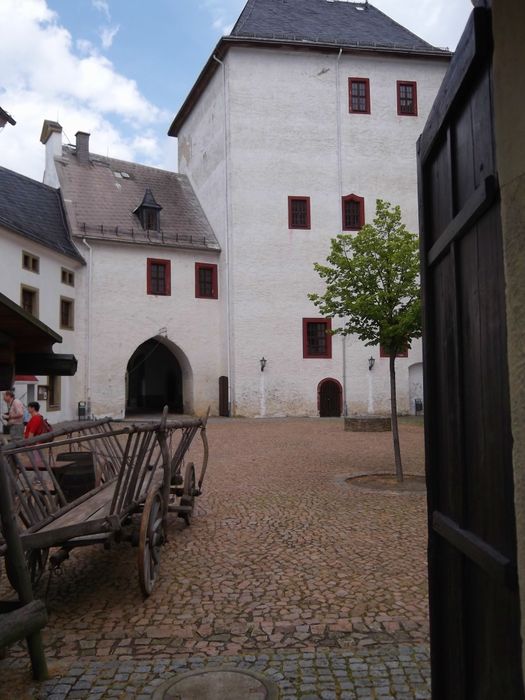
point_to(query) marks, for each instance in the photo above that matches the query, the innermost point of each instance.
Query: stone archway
(158, 374)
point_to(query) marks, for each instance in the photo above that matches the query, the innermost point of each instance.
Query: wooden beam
(497, 565)
(22, 623)
(45, 363)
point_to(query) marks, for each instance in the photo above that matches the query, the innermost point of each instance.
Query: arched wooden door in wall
(330, 398)
(474, 602)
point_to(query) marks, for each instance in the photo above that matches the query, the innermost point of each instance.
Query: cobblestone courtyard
(286, 569)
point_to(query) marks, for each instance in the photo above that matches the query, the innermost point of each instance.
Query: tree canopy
(372, 282)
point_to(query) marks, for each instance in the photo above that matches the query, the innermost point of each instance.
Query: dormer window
(148, 212)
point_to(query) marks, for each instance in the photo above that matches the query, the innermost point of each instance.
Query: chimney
(51, 137)
(82, 147)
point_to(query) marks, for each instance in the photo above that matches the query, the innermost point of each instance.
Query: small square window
(67, 311)
(299, 212)
(159, 277)
(29, 300)
(353, 212)
(30, 262)
(317, 340)
(67, 277)
(151, 218)
(206, 281)
(359, 95)
(407, 98)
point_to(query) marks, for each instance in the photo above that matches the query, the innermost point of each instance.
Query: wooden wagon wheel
(188, 497)
(36, 560)
(151, 538)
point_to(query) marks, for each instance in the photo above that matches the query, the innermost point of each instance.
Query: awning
(26, 346)
(26, 378)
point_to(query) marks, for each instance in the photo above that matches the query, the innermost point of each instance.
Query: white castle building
(305, 115)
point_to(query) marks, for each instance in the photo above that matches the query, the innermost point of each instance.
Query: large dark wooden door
(330, 399)
(474, 608)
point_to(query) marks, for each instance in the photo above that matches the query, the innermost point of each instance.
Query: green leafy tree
(372, 284)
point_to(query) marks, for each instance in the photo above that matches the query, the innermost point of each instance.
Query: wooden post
(20, 571)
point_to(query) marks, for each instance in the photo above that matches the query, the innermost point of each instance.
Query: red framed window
(384, 353)
(299, 212)
(353, 212)
(359, 95)
(317, 341)
(159, 277)
(407, 98)
(206, 281)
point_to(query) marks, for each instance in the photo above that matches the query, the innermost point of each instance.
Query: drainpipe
(87, 374)
(229, 281)
(340, 186)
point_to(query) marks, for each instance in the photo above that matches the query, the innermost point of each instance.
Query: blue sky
(120, 69)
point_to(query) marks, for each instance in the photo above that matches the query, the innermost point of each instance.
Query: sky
(120, 69)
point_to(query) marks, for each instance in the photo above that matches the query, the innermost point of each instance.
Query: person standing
(36, 425)
(15, 415)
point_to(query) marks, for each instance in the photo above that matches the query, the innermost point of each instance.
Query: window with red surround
(317, 341)
(206, 281)
(407, 98)
(359, 95)
(353, 212)
(384, 353)
(299, 212)
(159, 277)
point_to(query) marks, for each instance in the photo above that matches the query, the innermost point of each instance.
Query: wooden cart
(102, 482)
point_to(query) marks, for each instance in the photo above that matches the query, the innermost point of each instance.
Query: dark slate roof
(326, 21)
(102, 196)
(34, 210)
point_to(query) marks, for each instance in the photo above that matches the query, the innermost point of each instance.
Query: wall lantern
(263, 362)
(371, 362)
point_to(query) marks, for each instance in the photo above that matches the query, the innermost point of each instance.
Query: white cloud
(107, 34)
(223, 13)
(45, 75)
(440, 22)
(102, 6)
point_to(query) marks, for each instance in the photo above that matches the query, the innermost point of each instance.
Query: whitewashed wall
(202, 150)
(124, 316)
(50, 289)
(282, 134)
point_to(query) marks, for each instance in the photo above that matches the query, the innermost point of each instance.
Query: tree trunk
(393, 409)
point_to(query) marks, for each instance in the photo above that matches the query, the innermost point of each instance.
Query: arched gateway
(158, 374)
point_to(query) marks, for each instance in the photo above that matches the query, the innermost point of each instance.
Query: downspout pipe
(229, 281)
(87, 374)
(340, 187)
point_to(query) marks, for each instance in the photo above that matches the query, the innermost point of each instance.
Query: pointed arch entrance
(158, 374)
(330, 398)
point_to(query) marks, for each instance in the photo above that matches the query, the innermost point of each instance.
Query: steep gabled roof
(34, 210)
(103, 195)
(326, 21)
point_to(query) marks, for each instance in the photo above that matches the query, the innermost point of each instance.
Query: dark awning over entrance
(26, 346)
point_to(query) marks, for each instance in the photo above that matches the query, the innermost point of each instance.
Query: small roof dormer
(148, 212)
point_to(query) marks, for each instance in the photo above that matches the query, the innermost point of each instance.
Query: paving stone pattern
(285, 570)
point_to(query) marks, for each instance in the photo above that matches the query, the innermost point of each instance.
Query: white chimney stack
(51, 137)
